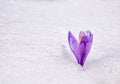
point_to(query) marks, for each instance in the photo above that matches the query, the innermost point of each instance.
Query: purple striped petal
(73, 44)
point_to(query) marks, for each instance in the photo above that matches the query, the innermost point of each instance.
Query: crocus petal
(87, 41)
(87, 49)
(83, 43)
(88, 45)
(85, 53)
(81, 52)
(73, 44)
(89, 35)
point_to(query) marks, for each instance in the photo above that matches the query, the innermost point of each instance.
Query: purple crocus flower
(82, 47)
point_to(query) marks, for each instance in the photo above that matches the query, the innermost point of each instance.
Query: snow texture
(34, 47)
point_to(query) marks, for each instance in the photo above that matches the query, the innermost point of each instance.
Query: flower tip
(69, 32)
(80, 63)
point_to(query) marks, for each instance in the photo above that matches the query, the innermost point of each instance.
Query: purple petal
(89, 35)
(83, 43)
(87, 49)
(88, 45)
(73, 44)
(87, 41)
(81, 52)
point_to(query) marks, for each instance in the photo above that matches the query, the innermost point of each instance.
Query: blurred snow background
(34, 47)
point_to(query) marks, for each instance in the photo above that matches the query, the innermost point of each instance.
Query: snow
(34, 47)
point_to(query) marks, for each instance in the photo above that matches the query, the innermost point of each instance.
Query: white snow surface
(34, 46)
